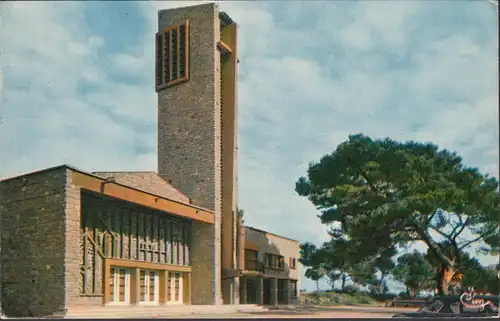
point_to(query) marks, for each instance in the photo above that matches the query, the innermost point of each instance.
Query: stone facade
(73, 246)
(32, 212)
(203, 284)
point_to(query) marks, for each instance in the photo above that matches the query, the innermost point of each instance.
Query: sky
(78, 88)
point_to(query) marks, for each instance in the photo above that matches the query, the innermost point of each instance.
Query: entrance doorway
(251, 285)
(120, 286)
(282, 297)
(175, 291)
(150, 287)
(267, 292)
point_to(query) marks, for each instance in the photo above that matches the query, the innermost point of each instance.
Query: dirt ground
(310, 313)
(329, 315)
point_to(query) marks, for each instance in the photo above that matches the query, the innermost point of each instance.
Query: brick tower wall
(189, 140)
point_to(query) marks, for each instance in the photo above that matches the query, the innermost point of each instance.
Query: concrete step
(162, 310)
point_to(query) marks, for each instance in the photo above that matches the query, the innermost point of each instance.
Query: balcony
(253, 265)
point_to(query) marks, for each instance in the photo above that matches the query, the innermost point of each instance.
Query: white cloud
(129, 63)
(310, 74)
(376, 24)
(46, 121)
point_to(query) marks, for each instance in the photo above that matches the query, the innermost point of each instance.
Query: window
(149, 287)
(293, 288)
(176, 238)
(251, 260)
(172, 55)
(281, 263)
(274, 261)
(293, 263)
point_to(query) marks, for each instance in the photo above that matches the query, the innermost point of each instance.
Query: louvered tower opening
(172, 56)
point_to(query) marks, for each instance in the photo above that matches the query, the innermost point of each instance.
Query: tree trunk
(344, 277)
(381, 284)
(444, 277)
(317, 285)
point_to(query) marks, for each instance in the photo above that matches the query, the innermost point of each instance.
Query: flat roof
(39, 171)
(273, 234)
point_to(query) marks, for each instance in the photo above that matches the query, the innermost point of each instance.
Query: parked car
(465, 305)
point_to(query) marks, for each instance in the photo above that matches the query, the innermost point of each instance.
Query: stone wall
(32, 213)
(73, 253)
(202, 283)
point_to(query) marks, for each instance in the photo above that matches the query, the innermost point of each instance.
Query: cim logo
(469, 300)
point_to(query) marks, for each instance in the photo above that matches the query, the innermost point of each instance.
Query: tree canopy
(240, 213)
(380, 194)
(341, 260)
(415, 272)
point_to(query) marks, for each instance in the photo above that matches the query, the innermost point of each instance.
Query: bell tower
(196, 71)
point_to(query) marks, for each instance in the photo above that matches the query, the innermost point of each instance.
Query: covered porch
(265, 290)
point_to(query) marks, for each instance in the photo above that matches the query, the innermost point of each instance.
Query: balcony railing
(253, 265)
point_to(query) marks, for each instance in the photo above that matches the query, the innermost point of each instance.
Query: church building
(73, 239)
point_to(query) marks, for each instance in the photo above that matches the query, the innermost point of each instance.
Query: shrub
(366, 300)
(350, 289)
(333, 298)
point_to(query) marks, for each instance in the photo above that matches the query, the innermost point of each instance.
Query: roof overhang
(225, 19)
(126, 193)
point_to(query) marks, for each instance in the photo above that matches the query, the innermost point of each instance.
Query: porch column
(260, 290)
(135, 286)
(243, 290)
(106, 278)
(186, 280)
(163, 286)
(274, 291)
(286, 291)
